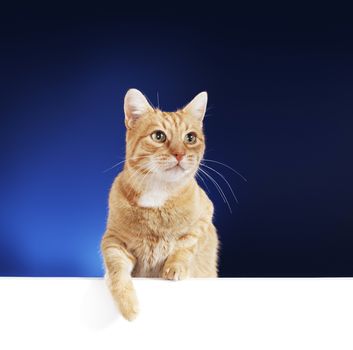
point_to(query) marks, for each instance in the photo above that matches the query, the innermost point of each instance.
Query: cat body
(160, 220)
(152, 234)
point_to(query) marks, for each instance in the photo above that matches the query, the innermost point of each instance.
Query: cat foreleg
(119, 263)
(177, 265)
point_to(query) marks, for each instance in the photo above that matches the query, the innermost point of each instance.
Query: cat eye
(190, 138)
(158, 136)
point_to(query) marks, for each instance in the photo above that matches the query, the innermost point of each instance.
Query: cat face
(167, 146)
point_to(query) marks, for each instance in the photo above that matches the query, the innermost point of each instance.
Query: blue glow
(280, 112)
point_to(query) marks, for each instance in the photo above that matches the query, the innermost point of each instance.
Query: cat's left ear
(197, 107)
(135, 106)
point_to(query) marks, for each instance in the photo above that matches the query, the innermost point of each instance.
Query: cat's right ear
(135, 106)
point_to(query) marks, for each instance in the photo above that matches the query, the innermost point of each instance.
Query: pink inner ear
(197, 107)
(135, 105)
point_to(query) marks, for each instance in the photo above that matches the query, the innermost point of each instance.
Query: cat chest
(153, 198)
(150, 253)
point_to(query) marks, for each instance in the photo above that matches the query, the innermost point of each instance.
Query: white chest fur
(152, 198)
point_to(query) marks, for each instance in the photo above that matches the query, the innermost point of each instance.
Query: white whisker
(202, 179)
(218, 188)
(227, 166)
(123, 161)
(218, 173)
(134, 177)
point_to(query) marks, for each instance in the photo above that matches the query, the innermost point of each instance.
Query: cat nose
(179, 156)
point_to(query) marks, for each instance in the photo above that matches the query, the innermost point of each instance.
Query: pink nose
(179, 156)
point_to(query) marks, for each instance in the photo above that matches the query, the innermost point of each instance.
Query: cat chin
(175, 174)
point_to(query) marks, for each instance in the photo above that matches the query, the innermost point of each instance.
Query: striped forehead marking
(174, 121)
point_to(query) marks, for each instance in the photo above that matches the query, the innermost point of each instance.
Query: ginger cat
(160, 220)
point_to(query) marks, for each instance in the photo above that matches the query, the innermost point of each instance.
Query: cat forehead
(177, 119)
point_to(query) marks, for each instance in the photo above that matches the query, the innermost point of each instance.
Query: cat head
(165, 145)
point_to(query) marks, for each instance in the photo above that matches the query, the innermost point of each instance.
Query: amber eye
(190, 138)
(158, 136)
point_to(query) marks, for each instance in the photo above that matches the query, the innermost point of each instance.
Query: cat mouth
(176, 167)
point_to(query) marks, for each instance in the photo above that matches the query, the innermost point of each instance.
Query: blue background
(280, 112)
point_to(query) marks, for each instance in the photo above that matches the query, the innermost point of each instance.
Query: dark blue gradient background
(280, 87)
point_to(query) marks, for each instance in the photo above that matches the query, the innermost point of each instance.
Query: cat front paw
(128, 306)
(175, 271)
(125, 299)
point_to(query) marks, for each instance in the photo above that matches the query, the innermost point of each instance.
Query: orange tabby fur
(160, 220)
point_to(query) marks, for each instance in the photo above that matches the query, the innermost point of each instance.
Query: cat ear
(135, 106)
(197, 107)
